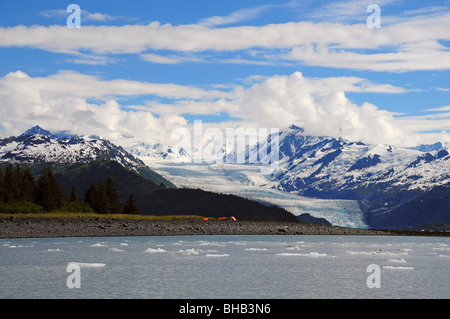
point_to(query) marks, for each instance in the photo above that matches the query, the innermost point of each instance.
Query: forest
(21, 192)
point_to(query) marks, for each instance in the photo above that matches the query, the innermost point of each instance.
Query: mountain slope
(38, 148)
(155, 199)
(380, 177)
(432, 207)
(79, 161)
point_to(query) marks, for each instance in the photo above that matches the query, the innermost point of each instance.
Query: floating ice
(255, 249)
(98, 245)
(211, 243)
(189, 251)
(57, 249)
(396, 260)
(116, 249)
(157, 250)
(312, 254)
(87, 265)
(398, 267)
(377, 253)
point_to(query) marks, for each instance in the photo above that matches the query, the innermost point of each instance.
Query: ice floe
(312, 254)
(87, 265)
(98, 245)
(157, 250)
(189, 251)
(396, 260)
(217, 255)
(398, 267)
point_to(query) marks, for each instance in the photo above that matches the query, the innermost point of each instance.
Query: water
(288, 267)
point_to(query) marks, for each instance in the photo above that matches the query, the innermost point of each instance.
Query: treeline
(20, 192)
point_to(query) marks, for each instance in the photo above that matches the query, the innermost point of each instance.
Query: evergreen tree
(27, 186)
(2, 185)
(91, 196)
(49, 193)
(101, 204)
(16, 187)
(73, 195)
(114, 205)
(131, 206)
(9, 184)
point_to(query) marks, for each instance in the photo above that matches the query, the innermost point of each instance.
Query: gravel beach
(13, 227)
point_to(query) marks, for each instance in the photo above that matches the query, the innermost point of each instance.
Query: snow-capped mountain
(37, 146)
(367, 180)
(331, 167)
(328, 167)
(156, 150)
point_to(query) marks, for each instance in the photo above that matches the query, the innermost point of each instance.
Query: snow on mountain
(246, 181)
(310, 164)
(156, 150)
(320, 175)
(324, 176)
(40, 146)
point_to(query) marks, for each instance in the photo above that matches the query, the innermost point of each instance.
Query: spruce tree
(49, 193)
(16, 189)
(27, 186)
(101, 205)
(112, 197)
(9, 184)
(91, 196)
(2, 185)
(73, 195)
(131, 206)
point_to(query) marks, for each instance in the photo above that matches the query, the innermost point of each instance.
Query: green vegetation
(107, 188)
(20, 192)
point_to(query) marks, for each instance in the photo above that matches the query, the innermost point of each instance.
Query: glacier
(246, 181)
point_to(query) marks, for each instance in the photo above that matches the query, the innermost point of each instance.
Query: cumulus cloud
(85, 104)
(321, 107)
(65, 102)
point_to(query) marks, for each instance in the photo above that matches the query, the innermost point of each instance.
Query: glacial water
(281, 267)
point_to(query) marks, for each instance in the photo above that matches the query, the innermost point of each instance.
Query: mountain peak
(296, 128)
(36, 130)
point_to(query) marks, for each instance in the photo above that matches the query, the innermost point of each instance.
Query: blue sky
(136, 70)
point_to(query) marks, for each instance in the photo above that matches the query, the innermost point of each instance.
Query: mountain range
(78, 161)
(386, 181)
(394, 187)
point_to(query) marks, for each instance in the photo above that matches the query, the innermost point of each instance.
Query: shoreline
(41, 227)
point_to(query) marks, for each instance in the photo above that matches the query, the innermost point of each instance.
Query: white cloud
(85, 15)
(442, 108)
(170, 59)
(65, 101)
(235, 17)
(404, 46)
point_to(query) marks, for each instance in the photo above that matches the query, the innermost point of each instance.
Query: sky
(135, 71)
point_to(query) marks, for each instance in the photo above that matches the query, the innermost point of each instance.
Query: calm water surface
(291, 267)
